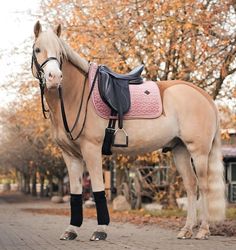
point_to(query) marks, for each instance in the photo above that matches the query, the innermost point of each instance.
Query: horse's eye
(37, 50)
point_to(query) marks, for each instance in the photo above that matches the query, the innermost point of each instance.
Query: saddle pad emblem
(145, 99)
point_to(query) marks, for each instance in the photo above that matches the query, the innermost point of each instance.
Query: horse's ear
(37, 29)
(58, 30)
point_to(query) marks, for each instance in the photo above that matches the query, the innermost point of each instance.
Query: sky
(17, 18)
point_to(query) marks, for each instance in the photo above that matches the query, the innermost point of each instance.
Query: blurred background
(189, 40)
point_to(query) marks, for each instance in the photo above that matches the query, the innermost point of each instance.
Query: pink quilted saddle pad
(145, 99)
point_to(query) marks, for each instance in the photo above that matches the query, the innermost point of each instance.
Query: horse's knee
(75, 171)
(94, 165)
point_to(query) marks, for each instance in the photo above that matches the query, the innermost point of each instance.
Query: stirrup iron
(122, 130)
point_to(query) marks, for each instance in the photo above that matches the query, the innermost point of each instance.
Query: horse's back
(164, 85)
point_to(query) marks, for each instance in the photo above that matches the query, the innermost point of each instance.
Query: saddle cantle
(114, 89)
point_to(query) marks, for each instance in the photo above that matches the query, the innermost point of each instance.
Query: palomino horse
(189, 126)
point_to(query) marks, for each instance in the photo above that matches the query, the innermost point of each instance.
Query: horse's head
(47, 56)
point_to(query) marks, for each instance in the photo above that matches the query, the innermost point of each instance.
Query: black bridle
(42, 84)
(41, 77)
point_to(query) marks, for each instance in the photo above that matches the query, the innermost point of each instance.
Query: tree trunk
(60, 186)
(50, 191)
(22, 181)
(42, 185)
(120, 178)
(27, 184)
(34, 182)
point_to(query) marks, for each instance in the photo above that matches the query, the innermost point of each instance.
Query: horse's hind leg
(201, 166)
(199, 154)
(182, 160)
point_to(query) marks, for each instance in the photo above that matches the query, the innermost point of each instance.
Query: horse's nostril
(50, 75)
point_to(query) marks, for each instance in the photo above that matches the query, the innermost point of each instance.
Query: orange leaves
(52, 150)
(188, 26)
(227, 119)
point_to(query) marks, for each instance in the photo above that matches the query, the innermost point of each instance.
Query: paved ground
(23, 230)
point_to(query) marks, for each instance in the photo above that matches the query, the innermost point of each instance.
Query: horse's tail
(216, 183)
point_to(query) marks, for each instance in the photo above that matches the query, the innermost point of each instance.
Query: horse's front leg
(93, 159)
(75, 170)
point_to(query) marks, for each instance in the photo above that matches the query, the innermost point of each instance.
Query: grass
(231, 213)
(167, 213)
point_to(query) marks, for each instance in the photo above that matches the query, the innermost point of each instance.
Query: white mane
(74, 57)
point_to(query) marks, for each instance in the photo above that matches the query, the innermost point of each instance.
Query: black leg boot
(76, 216)
(102, 215)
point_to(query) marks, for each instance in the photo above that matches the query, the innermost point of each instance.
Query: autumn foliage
(174, 39)
(189, 40)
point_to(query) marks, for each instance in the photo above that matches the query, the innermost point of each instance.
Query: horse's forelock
(51, 42)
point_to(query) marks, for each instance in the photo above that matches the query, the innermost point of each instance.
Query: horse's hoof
(202, 235)
(98, 236)
(185, 234)
(68, 236)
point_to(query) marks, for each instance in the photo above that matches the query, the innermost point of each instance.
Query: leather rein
(42, 84)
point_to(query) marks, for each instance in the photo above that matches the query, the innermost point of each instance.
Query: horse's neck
(72, 86)
(74, 58)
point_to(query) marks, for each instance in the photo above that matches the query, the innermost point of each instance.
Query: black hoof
(68, 236)
(98, 236)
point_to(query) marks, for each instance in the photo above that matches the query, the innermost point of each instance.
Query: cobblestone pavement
(21, 230)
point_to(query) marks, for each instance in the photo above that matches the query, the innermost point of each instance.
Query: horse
(189, 126)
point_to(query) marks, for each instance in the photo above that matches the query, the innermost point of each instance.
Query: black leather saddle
(114, 89)
(133, 76)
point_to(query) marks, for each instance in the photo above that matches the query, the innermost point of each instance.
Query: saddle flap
(103, 85)
(114, 92)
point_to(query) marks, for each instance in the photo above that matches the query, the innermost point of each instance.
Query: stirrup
(126, 138)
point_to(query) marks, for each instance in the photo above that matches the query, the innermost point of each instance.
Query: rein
(42, 84)
(63, 113)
